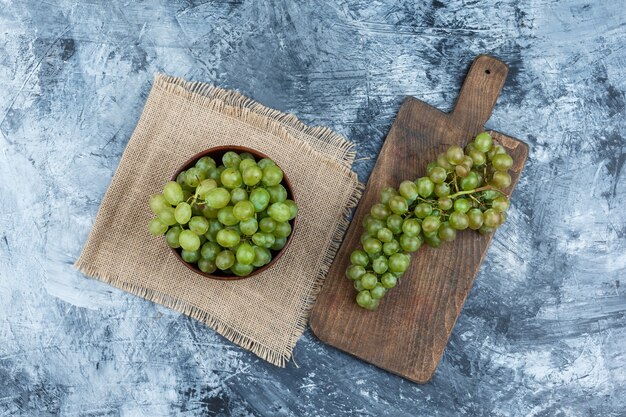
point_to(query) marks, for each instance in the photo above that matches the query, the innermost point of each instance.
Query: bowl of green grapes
(228, 213)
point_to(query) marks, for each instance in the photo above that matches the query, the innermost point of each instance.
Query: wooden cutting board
(409, 331)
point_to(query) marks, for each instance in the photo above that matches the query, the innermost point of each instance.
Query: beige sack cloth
(268, 312)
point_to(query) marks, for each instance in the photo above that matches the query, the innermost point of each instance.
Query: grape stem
(485, 188)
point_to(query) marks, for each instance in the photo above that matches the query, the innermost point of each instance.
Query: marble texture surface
(544, 329)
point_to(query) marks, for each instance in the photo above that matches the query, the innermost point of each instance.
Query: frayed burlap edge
(233, 104)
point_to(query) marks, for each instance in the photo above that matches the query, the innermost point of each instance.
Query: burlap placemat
(266, 313)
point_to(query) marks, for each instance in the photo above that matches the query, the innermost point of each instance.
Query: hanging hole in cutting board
(487, 72)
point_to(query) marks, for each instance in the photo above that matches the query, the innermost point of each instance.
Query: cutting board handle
(479, 93)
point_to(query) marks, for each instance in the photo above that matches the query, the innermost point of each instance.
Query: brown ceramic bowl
(217, 153)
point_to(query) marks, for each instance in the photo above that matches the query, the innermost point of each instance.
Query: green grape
(282, 229)
(459, 221)
(484, 230)
(210, 250)
(249, 227)
(475, 219)
(379, 265)
(380, 211)
(267, 224)
(438, 175)
(205, 164)
(491, 218)
(199, 225)
(496, 150)
(359, 257)
(279, 212)
(355, 272)
(245, 254)
(172, 236)
(182, 213)
(261, 239)
(478, 157)
(279, 243)
(224, 260)
(394, 223)
(501, 204)
(470, 182)
(410, 243)
(369, 280)
(217, 198)
(231, 159)
(398, 204)
(430, 224)
(430, 167)
(462, 205)
(408, 190)
(468, 162)
(246, 155)
(206, 266)
(241, 270)
(373, 304)
(214, 174)
(425, 187)
(180, 178)
(445, 203)
(422, 210)
(364, 237)
(158, 203)
(167, 216)
(390, 248)
(173, 193)
(278, 193)
(188, 240)
(442, 190)
(260, 198)
(442, 161)
(411, 227)
(265, 162)
(454, 155)
(363, 298)
(228, 238)
(483, 142)
(491, 194)
(226, 217)
(248, 163)
(446, 232)
(231, 178)
(243, 210)
(461, 171)
(193, 177)
(398, 262)
(214, 227)
(372, 245)
(237, 195)
(501, 180)
(386, 193)
(293, 208)
(358, 285)
(272, 175)
(389, 280)
(433, 241)
(384, 235)
(203, 239)
(204, 187)
(374, 255)
(157, 227)
(378, 291)
(190, 256)
(262, 256)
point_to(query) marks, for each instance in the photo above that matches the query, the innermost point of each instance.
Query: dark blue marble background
(543, 332)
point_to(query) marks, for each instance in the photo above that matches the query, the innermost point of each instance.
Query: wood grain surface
(408, 333)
